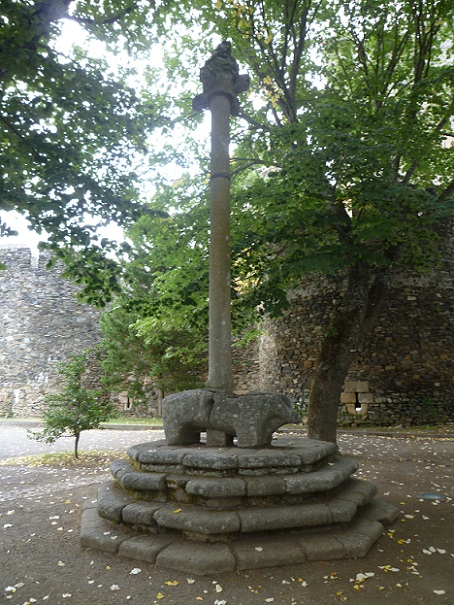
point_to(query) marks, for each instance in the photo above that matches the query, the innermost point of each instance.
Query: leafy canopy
(72, 132)
(342, 155)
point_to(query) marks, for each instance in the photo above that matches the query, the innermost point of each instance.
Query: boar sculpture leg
(252, 418)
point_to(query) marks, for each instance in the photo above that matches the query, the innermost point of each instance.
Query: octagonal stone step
(261, 550)
(339, 506)
(156, 485)
(283, 457)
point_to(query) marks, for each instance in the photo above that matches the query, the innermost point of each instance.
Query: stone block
(111, 501)
(211, 459)
(312, 451)
(136, 451)
(145, 548)
(214, 487)
(284, 517)
(202, 558)
(321, 547)
(162, 468)
(342, 511)
(356, 546)
(264, 486)
(118, 467)
(327, 478)
(140, 514)
(99, 533)
(260, 552)
(357, 491)
(348, 398)
(383, 512)
(359, 538)
(350, 387)
(366, 397)
(267, 458)
(142, 481)
(193, 519)
(362, 386)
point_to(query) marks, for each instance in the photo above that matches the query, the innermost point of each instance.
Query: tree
(71, 132)
(157, 327)
(76, 408)
(364, 183)
(342, 161)
(346, 166)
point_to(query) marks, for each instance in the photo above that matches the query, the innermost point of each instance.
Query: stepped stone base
(206, 510)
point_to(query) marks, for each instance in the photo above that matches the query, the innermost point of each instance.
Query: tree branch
(447, 192)
(248, 164)
(107, 20)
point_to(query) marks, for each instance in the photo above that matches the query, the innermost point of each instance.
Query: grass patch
(135, 421)
(65, 459)
(123, 420)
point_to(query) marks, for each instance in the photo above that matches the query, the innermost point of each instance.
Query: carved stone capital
(220, 76)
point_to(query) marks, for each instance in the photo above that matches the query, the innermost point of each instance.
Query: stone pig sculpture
(253, 417)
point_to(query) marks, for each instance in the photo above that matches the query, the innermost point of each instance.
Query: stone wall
(42, 323)
(403, 374)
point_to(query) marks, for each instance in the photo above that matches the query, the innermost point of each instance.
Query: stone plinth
(208, 510)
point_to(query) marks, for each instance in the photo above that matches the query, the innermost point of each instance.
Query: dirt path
(41, 560)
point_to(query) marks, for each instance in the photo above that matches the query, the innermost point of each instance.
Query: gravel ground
(41, 560)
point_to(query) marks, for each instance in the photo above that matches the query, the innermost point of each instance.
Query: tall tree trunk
(365, 297)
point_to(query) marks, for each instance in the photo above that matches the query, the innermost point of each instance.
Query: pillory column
(221, 84)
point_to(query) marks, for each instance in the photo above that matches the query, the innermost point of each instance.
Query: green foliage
(71, 135)
(341, 160)
(157, 328)
(76, 408)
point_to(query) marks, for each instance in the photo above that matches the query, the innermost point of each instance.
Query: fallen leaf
(135, 571)
(440, 592)
(159, 595)
(172, 583)
(362, 577)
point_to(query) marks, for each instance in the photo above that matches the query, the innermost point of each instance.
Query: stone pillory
(213, 507)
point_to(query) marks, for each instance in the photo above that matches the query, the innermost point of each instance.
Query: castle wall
(403, 373)
(41, 324)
